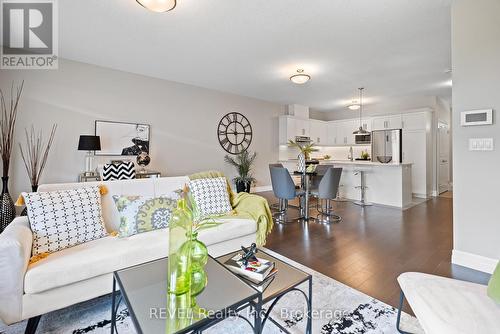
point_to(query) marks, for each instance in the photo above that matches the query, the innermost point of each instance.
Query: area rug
(337, 309)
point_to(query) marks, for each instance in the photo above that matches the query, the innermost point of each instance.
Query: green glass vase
(199, 258)
(179, 250)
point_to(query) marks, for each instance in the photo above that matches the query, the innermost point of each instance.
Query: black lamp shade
(89, 143)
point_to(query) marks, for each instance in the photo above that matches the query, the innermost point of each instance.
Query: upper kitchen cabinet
(387, 122)
(318, 132)
(286, 129)
(345, 131)
(332, 130)
(290, 127)
(302, 127)
(416, 121)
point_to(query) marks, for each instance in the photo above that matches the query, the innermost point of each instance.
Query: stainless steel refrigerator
(387, 146)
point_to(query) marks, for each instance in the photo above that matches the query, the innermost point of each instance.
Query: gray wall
(476, 85)
(183, 119)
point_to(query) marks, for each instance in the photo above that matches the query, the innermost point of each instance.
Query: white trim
(477, 262)
(262, 189)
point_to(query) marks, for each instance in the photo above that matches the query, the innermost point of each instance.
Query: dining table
(305, 185)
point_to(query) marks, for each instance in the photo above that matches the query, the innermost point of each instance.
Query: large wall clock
(235, 133)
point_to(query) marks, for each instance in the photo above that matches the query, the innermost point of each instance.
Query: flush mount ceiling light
(300, 78)
(159, 6)
(360, 130)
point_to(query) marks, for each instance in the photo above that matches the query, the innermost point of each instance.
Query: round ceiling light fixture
(159, 6)
(300, 78)
(354, 106)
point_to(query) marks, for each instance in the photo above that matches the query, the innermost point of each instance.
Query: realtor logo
(29, 34)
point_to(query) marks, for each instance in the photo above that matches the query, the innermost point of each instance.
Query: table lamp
(89, 143)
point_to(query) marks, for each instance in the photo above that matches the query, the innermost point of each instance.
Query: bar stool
(362, 172)
(326, 192)
(284, 190)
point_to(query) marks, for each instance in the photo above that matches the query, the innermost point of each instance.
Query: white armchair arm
(15, 251)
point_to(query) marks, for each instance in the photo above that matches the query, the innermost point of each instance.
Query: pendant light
(360, 131)
(158, 6)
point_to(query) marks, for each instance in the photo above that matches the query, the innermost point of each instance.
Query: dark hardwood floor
(370, 247)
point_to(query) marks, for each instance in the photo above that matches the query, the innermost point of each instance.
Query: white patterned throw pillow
(64, 218)
(211, 195)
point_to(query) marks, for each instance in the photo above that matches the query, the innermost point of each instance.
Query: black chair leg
(400, 310)
(32, 325)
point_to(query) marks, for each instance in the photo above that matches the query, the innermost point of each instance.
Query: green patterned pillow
(140, 214)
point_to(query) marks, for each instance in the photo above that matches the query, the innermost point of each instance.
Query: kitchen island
(388, 184)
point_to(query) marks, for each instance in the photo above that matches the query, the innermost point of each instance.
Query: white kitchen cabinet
(416, 121)
(345, 131)
(394, 122)
(332, 130)
(367, 124)
(302, 127)
(286, 129)
(318, 132)
(291, 127)
(386, 122)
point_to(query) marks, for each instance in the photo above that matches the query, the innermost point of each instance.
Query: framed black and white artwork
(118, 138)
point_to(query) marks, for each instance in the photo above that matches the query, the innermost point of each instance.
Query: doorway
(444, 152)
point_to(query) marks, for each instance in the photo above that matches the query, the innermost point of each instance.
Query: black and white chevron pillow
(123, 171)
(211, 196)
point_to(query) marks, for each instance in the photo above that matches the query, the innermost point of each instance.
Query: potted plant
(305, 149)
(243, 163)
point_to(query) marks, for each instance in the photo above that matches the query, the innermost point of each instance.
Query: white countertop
(356, 163)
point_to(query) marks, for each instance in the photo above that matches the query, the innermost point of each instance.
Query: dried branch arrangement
(8, 124)
(36, 153)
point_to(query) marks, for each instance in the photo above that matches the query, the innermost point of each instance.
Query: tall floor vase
(7, 208)
(34, 189)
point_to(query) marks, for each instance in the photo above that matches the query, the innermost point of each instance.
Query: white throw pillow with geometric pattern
(211, 196)
(64, 218)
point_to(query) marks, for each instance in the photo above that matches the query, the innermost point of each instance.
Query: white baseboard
(473, 261)
(262, 189)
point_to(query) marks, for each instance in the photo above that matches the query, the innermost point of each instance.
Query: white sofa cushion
(108, 254)
(445, 306)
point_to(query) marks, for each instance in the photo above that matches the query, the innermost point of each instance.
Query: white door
(444, 157)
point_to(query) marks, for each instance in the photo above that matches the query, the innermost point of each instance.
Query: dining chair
(284, 190)
(325, 193)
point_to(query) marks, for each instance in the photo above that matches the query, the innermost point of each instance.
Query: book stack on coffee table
(258, 273)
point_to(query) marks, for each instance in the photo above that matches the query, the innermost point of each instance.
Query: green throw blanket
(246, 206)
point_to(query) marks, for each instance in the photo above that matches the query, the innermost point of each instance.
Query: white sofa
(85, 271)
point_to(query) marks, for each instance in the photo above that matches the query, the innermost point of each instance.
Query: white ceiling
(394, 48)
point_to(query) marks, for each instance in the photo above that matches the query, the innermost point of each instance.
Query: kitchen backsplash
(335, 152)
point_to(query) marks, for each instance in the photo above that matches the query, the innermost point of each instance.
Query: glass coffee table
(143, 289)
